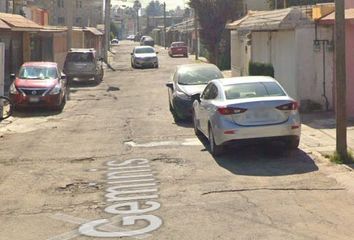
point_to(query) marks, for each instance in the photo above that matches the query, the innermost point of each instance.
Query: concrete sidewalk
(319, 133)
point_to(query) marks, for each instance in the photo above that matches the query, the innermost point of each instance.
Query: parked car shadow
(263, 159)
(322, 120)
(187, 123)
(82, 84)
(34, 112)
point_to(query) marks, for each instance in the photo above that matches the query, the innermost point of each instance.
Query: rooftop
(18, 22)
(287, 18)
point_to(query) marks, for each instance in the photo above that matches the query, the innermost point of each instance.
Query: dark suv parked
(83, 64)
(147, 41)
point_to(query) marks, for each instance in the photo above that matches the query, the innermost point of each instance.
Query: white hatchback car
(246, 108)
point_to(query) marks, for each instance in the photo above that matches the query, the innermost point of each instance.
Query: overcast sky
(170, 4)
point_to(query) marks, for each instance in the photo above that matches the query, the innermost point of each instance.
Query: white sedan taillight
(230, 110)
(288, 106)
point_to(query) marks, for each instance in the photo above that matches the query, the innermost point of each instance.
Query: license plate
(34, 99)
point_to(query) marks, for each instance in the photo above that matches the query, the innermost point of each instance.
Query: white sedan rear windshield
(144, 50)
(253, 90)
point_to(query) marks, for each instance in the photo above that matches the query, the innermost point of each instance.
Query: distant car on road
(147, 41)
(83, 64)
(246, 108)
(39, 84)
(131, 37)
(114, 42)
(178, 48)
(189, 79)
(144, 56)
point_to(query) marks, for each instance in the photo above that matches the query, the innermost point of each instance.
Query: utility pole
(164, 24)
(107, 28)
(196, 35)
(136, 7)
(341, 107)
(69, 8)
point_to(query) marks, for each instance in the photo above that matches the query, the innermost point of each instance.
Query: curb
(321, 158)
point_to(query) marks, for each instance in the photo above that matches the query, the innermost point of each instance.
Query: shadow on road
(263, 159)
(83, 84)
(322, 120)
(34, 112)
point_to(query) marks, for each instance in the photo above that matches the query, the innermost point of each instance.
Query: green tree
(154, 8)
(114, 30)
(213, 16)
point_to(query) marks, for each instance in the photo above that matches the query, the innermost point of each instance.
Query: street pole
(341, 107)
(107, 28)
(164, 24)
(196, 35)
(69, 8)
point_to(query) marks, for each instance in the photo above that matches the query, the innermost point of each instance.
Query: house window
(60, 3)
(61, 20)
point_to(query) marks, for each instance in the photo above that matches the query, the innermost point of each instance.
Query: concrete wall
(240, 54)
(59, 48)
(297, 66)
(350, 68)
(278, 49)
(310, 66)
(78, 40)
(349, 4)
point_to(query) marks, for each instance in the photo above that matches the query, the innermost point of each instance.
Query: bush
(261, 69)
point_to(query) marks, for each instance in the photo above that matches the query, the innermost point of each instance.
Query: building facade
(3, 6)
(87, 13)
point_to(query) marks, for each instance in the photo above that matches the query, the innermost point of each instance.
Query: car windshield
(42, 73)
(198, 76)
(178, 45)
(144, 50)
(80, 57)
(253, 90)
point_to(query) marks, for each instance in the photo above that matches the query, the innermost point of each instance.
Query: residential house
(286, 39)
(19, 35)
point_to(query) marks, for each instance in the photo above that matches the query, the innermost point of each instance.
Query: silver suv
(83, 64)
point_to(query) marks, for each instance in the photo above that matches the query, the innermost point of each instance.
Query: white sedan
(246, 108)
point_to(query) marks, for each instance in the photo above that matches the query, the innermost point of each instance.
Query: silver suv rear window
(80, 57)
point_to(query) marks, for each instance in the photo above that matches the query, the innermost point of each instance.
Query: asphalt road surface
(115, 164)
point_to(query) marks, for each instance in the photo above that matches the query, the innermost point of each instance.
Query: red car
(39, 84)
(178, 48)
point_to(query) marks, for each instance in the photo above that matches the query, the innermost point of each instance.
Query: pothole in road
(165, 159)
(79, 187)
(112, 89)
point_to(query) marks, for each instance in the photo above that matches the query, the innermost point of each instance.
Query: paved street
(115, 164)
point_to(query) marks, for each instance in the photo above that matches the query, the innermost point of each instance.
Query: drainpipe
(324, 43)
